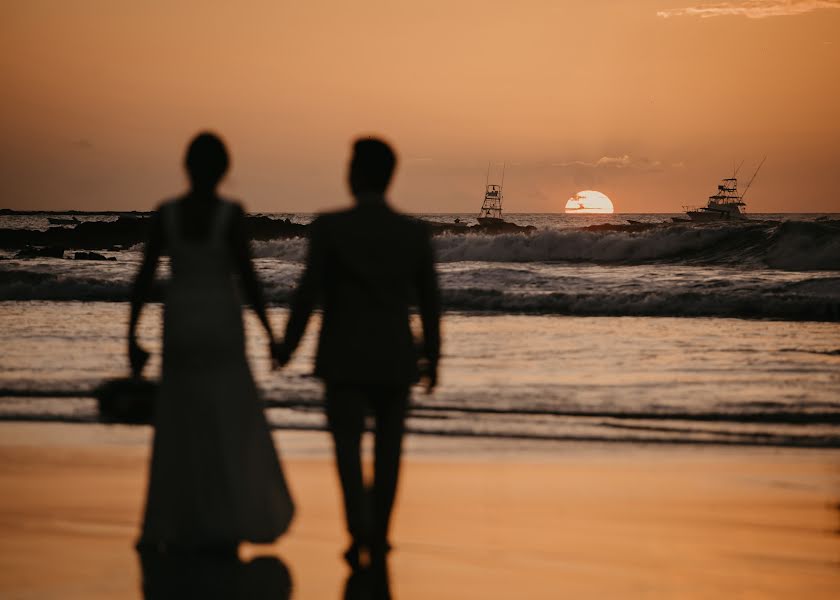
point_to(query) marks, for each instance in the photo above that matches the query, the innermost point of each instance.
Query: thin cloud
(752, 9)
(624, 161)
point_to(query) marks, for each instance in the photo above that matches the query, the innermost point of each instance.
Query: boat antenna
(753, 177)
(487, 179)
(735, 173)
(503, 176)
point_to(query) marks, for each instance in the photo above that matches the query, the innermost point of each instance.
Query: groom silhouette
(367, 266)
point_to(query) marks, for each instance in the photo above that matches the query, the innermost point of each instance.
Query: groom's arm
(308, 291)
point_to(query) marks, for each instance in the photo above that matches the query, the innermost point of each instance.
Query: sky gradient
(650, 102)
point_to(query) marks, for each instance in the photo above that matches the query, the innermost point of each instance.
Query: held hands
(428, 374)
(137, 357)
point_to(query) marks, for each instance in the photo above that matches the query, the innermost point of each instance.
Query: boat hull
(704, 216)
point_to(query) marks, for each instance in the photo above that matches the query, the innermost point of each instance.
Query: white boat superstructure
(727, 203)
(491, 208)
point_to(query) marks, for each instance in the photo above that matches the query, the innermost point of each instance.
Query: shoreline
(463, 436)
(296, 444)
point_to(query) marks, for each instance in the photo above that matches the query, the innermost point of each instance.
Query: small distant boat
(491, 209)
(490, 217)
(726, 204)
(63, 221)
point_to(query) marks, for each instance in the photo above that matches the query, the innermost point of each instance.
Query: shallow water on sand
(527, 377)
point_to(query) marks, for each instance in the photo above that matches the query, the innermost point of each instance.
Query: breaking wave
(796, 246)
(809, 300)
(28, 285)
(789, 302)
(744, 270)
(793, 246)
(290, 249)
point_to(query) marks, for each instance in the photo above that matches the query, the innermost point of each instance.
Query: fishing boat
(490, 221)
(490, 217)
(491, 209)
(727, 203)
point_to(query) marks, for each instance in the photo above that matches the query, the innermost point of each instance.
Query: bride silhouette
(215, 479)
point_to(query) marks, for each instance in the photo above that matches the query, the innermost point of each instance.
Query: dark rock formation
(128, 231)
(125, 231)
(624, 227)
(503, 227)
(439, 228)
(266, 228)
(41, 252)
(91, 256)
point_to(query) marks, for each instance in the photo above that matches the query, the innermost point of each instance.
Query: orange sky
(100, 97)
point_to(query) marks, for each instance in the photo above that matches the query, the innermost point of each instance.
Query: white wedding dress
(215, 478)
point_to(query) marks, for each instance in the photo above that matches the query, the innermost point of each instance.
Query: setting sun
(589, 202)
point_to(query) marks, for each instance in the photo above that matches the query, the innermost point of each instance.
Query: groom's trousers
(368, 510)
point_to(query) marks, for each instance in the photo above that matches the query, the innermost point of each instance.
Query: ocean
(725, 334)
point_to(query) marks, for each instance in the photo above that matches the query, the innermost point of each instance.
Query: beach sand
(474, 519)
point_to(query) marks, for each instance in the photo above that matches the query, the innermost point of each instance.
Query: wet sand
(473, 520)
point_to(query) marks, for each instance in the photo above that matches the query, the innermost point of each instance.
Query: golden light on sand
(589, 202)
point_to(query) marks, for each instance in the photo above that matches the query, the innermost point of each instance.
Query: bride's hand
(137, 357)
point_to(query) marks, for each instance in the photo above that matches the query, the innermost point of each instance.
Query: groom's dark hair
(372, 165)
(206, 160)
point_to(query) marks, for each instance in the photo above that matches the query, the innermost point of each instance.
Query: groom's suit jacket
(366, 267)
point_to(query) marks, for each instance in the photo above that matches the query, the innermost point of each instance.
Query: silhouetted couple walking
(215, 479)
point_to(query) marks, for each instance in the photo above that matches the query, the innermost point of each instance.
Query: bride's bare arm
(141, 289)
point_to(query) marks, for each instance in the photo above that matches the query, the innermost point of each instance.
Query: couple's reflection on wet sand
(213, 576)
(225, 576)
(371, 583)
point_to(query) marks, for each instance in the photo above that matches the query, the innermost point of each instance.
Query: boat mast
(753, 177)
(491, 208)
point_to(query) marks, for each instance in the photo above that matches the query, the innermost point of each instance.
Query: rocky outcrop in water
(92, 256)
(46, 252)
(266, 228)
(122, 233)
(89, 235)
(128, 231)
(438, 228)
